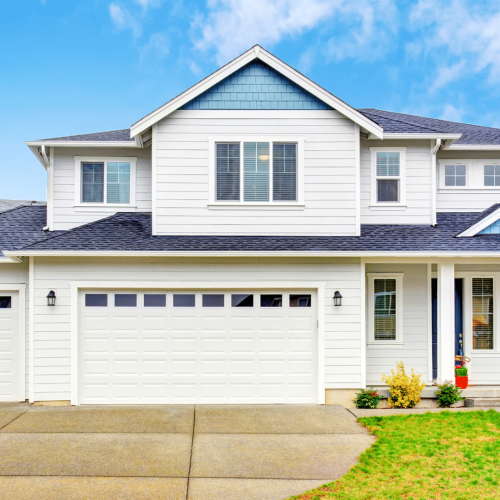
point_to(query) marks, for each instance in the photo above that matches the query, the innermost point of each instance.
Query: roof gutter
(84, 144)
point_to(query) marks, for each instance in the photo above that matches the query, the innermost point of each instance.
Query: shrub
(461, 372)
(405, 389)
(448, 393)
(367, 398)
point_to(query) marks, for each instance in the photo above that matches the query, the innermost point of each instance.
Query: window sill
(485, 354)
(388, 206)
(384, 345)
(255, 206)
(105, 207)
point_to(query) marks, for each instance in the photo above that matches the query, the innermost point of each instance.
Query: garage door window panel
(125, 300)
(5, 302)
(213, 300)
(96, 300)
(271, 300)
(155, 300)
(184, 300)
(300, 300)
(241, 300)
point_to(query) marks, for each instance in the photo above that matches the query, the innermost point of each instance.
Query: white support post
(446, 321)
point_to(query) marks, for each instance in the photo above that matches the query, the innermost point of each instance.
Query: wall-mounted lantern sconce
(337, 299)
(51, 298)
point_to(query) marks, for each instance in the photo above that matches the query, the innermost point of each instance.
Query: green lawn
(424, 457)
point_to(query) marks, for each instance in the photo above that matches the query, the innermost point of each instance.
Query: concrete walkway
(174, 452)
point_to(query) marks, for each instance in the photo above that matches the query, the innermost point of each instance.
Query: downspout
(434, 151)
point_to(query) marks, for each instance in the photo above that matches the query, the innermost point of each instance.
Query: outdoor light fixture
(337, 298)
(264, 157)
(51, 298)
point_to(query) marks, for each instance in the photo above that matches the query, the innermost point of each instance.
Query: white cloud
(461, 30)
(123, 19)
(157, 46)
(194, 68)
(232, 26)
(447, 74)
(452, 114)
(146, 4)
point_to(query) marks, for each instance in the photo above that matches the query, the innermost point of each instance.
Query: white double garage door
(161, 346)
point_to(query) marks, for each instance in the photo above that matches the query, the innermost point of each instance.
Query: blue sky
(81, 66)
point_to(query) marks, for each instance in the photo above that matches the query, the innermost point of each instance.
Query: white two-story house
(254, 240)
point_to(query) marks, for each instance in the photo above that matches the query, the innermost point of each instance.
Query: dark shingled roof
(132, 232)
(403, 123)
(22, 226)
(113, 135)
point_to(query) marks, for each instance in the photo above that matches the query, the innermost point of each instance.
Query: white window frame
(474, 174)
(100, 207)
(468, 313)
(271, 139)
(401, 177)
(371, 308)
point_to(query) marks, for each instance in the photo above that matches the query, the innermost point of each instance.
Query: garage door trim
(21, 291)
(78, 286)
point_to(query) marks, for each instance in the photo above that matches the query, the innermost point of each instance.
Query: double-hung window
(385, 305)
(483, 313)
(256, 172)
(105, 181)
(388, 167)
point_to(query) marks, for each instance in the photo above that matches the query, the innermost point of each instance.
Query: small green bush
(448, 394)
(461, 372)
(367, 398)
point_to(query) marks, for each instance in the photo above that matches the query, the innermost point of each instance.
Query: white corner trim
(362, 291)
(357, 167)
(31, 333)
(482, 224)
(429, 323)
(297, 139)
(318, 286)
(154, 163)
(399, 308)
(401, 177)
(50, 190)
(276, 64)
(96, 207)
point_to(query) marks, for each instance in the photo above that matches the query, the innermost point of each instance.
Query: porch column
(446, 321)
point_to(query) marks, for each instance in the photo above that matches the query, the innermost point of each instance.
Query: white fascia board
(396, 135)
(275, 63)
(84, 144)
(82, 253)
(11, 260)
(483, 223)
(475, 147)
(38, 156)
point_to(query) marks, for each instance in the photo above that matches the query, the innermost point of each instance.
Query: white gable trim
(482, 224)
(257, 52)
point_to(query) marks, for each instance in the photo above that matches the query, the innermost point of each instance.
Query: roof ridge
(405, 121)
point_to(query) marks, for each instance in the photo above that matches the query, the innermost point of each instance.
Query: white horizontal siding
(65, 215)
(182, 173)
(52, 324)
(414, 352)
(418, 185)
(18, 274)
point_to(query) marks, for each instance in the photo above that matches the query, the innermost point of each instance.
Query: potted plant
(461, 377)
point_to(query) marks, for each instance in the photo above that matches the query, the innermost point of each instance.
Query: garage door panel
(167, 354)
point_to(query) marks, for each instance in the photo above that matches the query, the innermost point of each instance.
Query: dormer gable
(488, 222)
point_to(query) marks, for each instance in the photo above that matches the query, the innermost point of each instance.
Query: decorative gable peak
(256, 86)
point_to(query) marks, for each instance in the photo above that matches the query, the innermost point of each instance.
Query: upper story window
(255, 172)
(385, 306)
(105, 181)
(388, 180)
(469, 174)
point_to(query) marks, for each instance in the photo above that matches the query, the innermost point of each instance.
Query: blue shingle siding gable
(256, 86)
(492, 228)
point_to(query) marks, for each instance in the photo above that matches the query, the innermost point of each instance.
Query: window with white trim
(385, 306)
(491, 175)
(105, 181)
(388, 176)
(256, 172)
(482, 313)
(481, 175)
(455, 175)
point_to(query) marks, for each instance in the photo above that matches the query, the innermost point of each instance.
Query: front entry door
(459, 346)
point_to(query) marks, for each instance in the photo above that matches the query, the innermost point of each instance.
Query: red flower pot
(462, 382)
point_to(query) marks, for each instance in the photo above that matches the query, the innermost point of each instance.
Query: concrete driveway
(174, 452)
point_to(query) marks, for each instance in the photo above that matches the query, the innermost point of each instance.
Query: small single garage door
(9, 347)
(159, 347)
